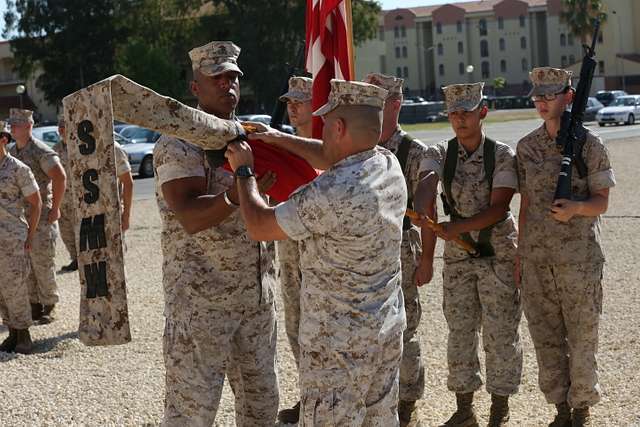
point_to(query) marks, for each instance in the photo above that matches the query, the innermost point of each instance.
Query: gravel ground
(67, 383)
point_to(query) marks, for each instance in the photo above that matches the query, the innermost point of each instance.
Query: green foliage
(579, 15)
(77, 42)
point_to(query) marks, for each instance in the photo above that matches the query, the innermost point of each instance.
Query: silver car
(47, 134)
(140, 156)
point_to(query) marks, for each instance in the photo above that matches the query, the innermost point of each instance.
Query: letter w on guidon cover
(89, 115)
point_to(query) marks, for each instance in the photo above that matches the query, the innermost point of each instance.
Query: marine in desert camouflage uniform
(49, 173)
(17, 185)
(560, 257)
(218, 284)
(348, 223)
(479, 292)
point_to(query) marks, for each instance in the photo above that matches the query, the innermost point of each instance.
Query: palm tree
(579, 15)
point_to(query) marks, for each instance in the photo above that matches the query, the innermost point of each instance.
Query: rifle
(572, 134)
(277, 117)
(435, 227)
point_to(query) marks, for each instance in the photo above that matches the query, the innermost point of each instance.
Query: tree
(579, 15)
(73, 42)
(498, 83)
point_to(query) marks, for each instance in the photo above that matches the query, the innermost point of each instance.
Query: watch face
(244, 172)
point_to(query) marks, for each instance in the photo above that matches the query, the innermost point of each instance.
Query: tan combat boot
(24, 343)
(465, 415)
(499, 415)
(563, 418)
(47, 315)
(408, 414)
(581, 417)
(9, 344)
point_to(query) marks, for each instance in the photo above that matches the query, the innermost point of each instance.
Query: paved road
(508, 132)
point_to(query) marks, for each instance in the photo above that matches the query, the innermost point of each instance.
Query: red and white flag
(329, 49)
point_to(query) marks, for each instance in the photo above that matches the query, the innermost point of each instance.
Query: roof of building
(469, 6)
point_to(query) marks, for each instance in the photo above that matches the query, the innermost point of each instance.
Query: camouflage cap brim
(326, 108)
(216, 69)
(546, 89)
(295, 96)
(463, 105)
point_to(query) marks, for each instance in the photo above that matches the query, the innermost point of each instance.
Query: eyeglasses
(546, 96)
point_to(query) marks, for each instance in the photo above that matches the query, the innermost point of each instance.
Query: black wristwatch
(244, 171)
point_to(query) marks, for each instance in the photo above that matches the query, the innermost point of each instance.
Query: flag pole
(350, 48)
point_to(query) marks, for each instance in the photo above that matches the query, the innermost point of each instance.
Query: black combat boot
(581, 417)
(23, 341)
(465, 415)
(290, 415)
(563, 417)
(9, 344)
(408, 414)
(36, 311)
(73, 266)
(499, 415)
(47, 314)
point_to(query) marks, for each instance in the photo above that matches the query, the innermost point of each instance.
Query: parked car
(593, 106)
(137, 134)
(264, 118)
(625, 109)
(606, 97)
(140, 155)
(47, 134)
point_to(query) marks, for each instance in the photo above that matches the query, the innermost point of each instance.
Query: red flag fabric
(329, 46)
(291, 171)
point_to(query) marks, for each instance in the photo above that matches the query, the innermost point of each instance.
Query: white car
(624, 109)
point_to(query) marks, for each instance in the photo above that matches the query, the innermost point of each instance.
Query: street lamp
(20, 89)
(624, 83)
(470, 69)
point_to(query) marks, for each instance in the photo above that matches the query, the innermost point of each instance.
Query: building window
(460, 47)
(500, 23)
(381, 33)
(484, 48)
(523, 42)
(572, 59)
(404, 51)
(563, 40)
(570, 40)
(522, 21)
(399, 72)
(461, 68)
(403, 31)
(525, 64)
(600, 67)
(503, 66)
(406, 72)
(439, 28)
(383, 64)
(502, 44)
(459, 26)
(563, 61)
(485, 69)
(482, 26)
(440, 49)
(441, 69)
(397, 51)
(396, 32)
(600, 38)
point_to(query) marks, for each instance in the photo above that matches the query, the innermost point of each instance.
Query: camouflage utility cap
(215, 58)
(463, 97)
(299, 90)
(4, 128)
(547, 80)
(16, 115)
(392, 84)
(352, 93)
